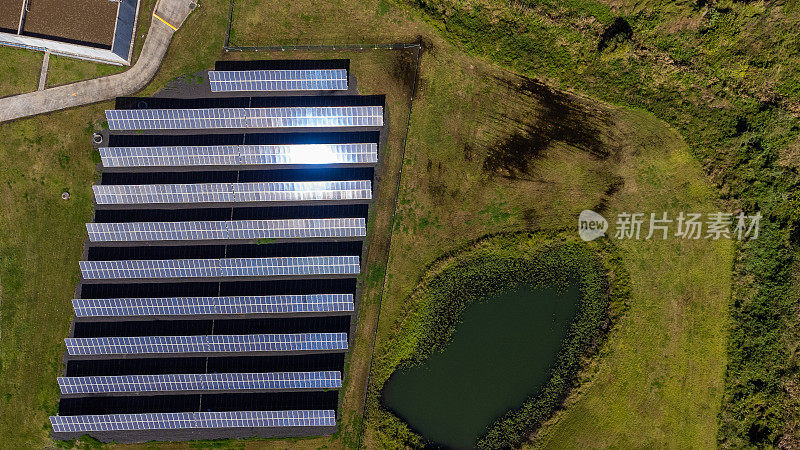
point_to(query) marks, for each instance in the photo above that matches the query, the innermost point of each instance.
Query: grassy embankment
(447, 199)
(725, 75)
(679, 289)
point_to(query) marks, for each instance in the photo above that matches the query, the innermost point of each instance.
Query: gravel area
(87, 22)
(9, 15)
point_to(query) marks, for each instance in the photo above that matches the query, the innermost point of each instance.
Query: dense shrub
(619, 29)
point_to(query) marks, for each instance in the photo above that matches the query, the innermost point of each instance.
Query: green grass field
(660, 383)
(669, 346)
(40, 241)
(63, 70)
(655, 360)
(20, 70)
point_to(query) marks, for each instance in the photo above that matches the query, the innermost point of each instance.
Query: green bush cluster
(490, 266)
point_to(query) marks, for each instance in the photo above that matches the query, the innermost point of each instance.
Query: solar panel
(236, 155)
(135, 345)
(283, 191)
(235, 229)
(200, 382)
(223, 267)
(277, 80)
(209, 118)
(183, 306)
(183, 420)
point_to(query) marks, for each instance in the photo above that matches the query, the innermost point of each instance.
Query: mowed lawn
(668, 348)
(660, 381)
(19, 70)
(41, 240)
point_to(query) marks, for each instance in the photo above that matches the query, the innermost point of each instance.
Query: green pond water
(500, 355)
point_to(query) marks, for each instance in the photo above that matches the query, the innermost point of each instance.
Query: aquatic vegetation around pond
(490, 267)
(501, 353)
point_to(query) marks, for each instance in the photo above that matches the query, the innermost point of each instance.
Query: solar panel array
(190, 306)
(137, 345)
(234, 229)
(285, 316)
(220, 267)
(239, 155)
(277, 80)
(281, 191)
(190, 420)
(211, 118)
(200, 382)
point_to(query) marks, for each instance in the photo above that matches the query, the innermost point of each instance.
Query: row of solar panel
(277, 80)
(234, 229)
(238, 155)
(221, 267)
(136, 345)
(242, 76)
(193, 420)
(277, 74)
(200, 382)
(288, 191)
(284, 85)
(209, 118)
(185, 306)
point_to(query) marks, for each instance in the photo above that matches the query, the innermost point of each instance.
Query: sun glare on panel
(313, 154)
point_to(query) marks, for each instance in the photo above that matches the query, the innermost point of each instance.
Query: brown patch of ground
(9, 15)
(86, 22)
(790, 156)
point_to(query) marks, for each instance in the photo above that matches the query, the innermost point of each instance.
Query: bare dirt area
(9, 15)
(86, 22)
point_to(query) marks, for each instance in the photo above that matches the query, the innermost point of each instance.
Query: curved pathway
(169, 15)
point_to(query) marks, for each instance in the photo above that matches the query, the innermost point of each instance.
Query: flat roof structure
(10, 15)
(96, 30)
(87, 22)
(219, 286)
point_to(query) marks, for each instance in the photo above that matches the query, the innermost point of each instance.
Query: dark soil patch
(85, 22)
(560, 117)
(404, 68)
(9, 15)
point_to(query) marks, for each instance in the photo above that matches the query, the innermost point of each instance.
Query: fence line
(309, 47)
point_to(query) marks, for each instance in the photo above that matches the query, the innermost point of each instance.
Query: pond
(500, 355)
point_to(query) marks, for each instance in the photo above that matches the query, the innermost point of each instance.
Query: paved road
(99, 89)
